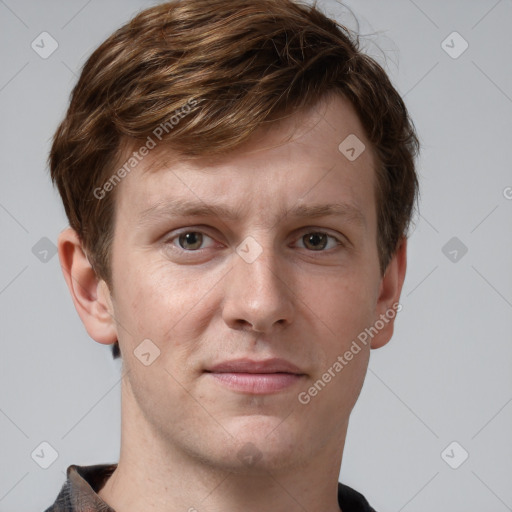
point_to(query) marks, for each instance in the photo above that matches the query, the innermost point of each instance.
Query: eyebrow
(187, 208)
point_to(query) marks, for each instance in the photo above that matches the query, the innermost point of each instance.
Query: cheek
(345, 309)
(156, 300)
(345, 303)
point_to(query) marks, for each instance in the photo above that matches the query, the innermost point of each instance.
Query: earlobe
(90, 294)
(388, 303)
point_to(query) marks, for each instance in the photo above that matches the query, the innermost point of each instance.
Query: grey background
(446, 375)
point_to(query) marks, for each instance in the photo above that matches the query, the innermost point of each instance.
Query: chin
(263, 440)
(259, 427)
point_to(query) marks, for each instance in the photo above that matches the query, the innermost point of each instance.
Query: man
(239, 179)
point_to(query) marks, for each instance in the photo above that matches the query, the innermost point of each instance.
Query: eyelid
(340, 240)
(169, 240)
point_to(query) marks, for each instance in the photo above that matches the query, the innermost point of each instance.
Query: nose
(257, 295)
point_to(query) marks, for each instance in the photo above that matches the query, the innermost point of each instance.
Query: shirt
(79, 492)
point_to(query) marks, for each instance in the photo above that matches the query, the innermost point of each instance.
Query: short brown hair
(247, 62)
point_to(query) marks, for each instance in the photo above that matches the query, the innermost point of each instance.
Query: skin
(182, 431)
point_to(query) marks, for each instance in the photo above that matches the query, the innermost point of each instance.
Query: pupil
(191, 238)
(315, 238)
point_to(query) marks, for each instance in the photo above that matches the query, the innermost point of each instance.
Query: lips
(264, 377)
(245, 365)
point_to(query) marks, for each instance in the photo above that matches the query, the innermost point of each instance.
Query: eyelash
(176, 236)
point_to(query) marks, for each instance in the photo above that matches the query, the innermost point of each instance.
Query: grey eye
(193, 239)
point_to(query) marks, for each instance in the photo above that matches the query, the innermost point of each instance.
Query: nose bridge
(256, 292)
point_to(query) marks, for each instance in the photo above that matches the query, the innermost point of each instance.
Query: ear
(90, 294)
(389, 295)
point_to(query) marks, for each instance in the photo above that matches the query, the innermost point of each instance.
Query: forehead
(334, 113)
(302, 158)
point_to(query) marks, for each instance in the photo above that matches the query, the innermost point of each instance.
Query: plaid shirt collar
(79, 492)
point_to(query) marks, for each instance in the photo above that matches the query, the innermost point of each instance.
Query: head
(244, 105)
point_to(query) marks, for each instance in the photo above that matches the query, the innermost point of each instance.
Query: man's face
(256, 284)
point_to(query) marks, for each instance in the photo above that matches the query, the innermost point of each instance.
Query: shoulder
(352, 501)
